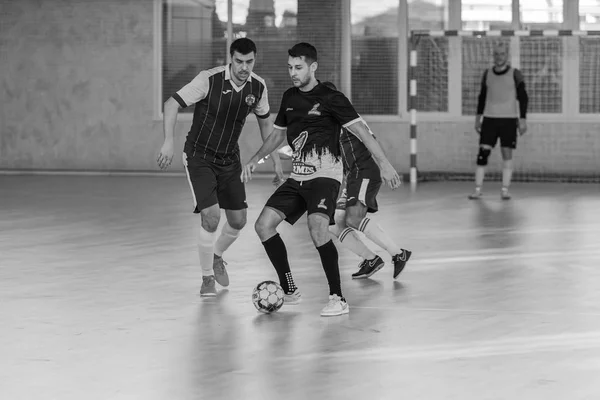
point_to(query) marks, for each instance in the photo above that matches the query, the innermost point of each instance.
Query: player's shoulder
(256, 77)
(208, 73)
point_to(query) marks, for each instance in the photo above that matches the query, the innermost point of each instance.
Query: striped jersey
(220, 113)
(313, 121)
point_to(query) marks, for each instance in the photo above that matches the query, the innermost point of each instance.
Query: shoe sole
(208, 295)
(222, 284)
(370, 274)
(344, 312)
(401, 269)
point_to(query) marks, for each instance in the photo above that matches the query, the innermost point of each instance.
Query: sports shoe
(337, 306)
(220, 272)
(400, 261)
(292, 299)
(208, 286)
(476, 194)
(504, 195)
(368, 268)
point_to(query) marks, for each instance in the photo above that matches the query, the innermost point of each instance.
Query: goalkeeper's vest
(501, 97)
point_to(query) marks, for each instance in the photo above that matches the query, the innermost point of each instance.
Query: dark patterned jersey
(220, 114)
(355, 155)
(313, 121)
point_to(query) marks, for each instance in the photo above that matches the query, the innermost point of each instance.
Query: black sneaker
(400, 261)
(368, 268)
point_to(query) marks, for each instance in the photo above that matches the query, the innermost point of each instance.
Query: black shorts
(215, 184)
(294, 198)
(503, 128)
(362, 185)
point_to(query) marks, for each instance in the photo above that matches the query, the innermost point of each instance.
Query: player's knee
(353, 221)
(483, 155)
(238, 224)
(210, 222)
(355, 214)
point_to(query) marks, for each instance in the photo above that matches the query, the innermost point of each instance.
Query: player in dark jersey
(359, 197)
(311, 115)
(503, 104)
(223, 98)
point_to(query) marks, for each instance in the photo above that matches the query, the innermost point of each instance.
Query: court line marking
(478, 311)
(467, 350)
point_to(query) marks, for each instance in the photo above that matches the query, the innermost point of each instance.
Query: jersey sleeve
(342, 110)
(194, 91)
(262, 108)
(281, 120)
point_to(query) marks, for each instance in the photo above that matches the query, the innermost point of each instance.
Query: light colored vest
(501, 100)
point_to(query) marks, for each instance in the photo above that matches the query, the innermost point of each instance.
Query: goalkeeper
(501, 112)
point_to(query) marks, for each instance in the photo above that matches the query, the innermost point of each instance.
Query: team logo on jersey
(322, 204)
(250, 100)
(298, 144)
(315, 110)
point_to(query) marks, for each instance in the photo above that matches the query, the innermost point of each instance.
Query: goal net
(562, 76)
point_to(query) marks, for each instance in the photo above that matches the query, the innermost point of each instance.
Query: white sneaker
(292, 299)
(504, 194)
(336, 306)
(476, 194)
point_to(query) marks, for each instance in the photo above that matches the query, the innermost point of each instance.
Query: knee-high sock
(329, 259)
(479, 176)
(374, 232)
(206, 242)
(350, 240)
(277, 253)
(226, 238)
(507, 170)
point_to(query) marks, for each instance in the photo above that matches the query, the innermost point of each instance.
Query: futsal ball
(267, 297)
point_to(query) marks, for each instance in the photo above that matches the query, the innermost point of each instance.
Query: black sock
(329, 259)
(277, 253)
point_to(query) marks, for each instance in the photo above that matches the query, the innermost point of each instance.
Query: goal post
(563, 83)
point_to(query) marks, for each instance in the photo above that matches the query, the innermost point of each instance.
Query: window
(482, 15)
(541, 14)
(193, 39)
(375, 56)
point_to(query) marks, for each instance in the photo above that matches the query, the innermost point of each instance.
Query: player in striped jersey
(359, 197)
(223, 97)
(503, 104)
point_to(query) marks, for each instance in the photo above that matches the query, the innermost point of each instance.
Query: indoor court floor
(99, 283)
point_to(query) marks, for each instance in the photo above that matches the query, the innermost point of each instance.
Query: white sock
(206, 246)
(479, 176)
(226, 239)
(374, 232)
(507, 170)
(350, 240)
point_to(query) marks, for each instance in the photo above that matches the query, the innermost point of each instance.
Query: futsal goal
(561, 69)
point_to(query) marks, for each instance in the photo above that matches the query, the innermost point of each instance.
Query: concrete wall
(77, 93)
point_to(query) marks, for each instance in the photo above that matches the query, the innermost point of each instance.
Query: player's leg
(487, 140)
(320, 195)
(508, 142)
(231, 194)
(284, 204)
(362, 198)
(347, 237)
(203, 184)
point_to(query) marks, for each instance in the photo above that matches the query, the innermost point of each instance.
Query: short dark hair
(306, 50)
(243, 46)
(330, 85)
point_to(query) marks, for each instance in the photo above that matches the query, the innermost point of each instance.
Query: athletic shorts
(362, 185)
(294, 198)
(215, 184)
(504, 129)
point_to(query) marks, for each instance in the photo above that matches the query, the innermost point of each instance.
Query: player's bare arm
(273, 142)
(266, 127)
(165, 156)
(388, 173)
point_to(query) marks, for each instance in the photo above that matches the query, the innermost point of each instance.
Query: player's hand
(247, 171)
(478, 125)
(522, 126)
(165, 156)
(390, 176)
(279, 177)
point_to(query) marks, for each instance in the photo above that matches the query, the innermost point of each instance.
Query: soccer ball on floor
(267, 297)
